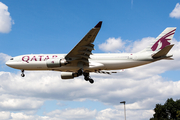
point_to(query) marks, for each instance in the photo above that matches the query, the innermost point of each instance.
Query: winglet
(98, 25)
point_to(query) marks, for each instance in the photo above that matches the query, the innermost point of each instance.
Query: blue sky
(48, 27)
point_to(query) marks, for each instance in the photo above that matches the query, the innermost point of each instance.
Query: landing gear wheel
(91, 81)
(22, 75)
(88, 78)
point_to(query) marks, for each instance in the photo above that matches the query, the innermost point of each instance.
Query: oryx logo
(163, 41)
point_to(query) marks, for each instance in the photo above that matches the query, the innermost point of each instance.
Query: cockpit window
(11, 59)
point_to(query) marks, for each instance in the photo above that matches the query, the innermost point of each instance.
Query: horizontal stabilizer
(163, 52)
(169, 58)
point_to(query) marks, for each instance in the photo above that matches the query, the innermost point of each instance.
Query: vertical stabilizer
(163, 40)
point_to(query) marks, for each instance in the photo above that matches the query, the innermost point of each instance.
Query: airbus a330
(80, 60)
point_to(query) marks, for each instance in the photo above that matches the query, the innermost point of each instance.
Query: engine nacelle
(67, 75)
(51, 63)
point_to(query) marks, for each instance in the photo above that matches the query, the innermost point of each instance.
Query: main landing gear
(22, 75)
(86, 76)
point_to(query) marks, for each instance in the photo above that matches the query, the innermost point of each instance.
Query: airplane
(80, 60)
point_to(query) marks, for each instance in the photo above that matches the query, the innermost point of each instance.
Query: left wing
(81, 52)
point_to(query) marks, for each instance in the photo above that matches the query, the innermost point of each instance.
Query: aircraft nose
(8, 63)
(11, 63)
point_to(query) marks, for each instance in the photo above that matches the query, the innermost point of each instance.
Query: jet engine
(51, 63)
(68, 75)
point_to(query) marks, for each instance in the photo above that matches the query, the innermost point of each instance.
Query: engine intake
(51, 63)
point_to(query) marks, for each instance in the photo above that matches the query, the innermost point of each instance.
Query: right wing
(82, 51)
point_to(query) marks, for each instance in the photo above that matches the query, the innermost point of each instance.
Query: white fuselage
(97, 62)
(80, 61)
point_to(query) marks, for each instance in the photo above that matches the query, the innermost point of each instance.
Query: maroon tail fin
(164, 39)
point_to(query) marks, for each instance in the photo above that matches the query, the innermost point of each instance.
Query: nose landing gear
(22, 75)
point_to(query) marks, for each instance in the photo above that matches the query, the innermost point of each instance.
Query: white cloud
(22, 116)
(5, 19)
(20, 103)
(112, 114)
(4, 57)
(112, 45)
(142, 44)
(81, 114)
(5, 115)
(176, 12)
(115, 45)
(72, 114)
(141, 91)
